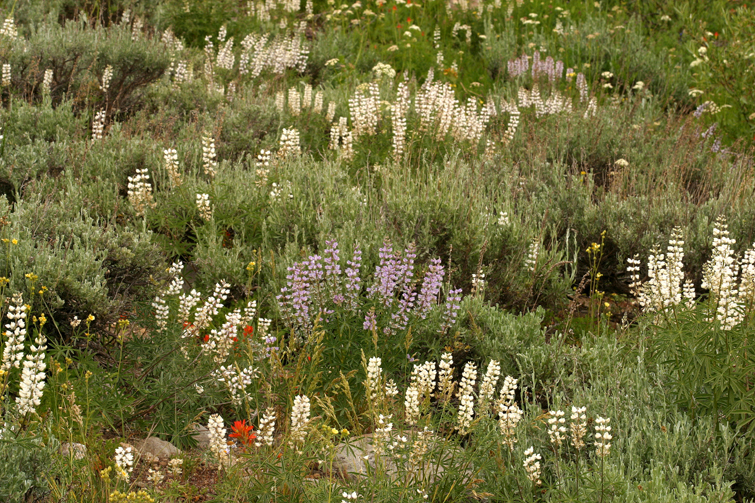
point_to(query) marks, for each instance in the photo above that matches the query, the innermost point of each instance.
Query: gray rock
(79, 450)
(202, 436)
(358, 457)
(156, 447)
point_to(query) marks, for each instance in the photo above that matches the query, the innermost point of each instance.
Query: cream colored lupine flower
(411, 404)
(140, 191)
(170, 157)
(445, 376)
(218, 446)
(466, 398)
(265, 435)
(98, 125)
(556, 427)
(13, 352)
(33, 377)
(719, 276)
(203, 205)
(47, 81)
(578, 427)
(124, 461)
(532, 466)
(289, 143)
(209, 158)
(602, 437)
(373, 383)
(107, 76)
(299, 422)
(174, 466)
(489, 382)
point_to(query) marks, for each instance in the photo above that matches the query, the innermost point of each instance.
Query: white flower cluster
(187, 302)
(411, 404)
(489, 382)
(209, 158)
(398, 118)
(183, 73)
(289, 144)
(582, 86)
(98, 125)
(47, 81)
(509, 413)
(635, 285)
(446, 382)
(294, 101)
(107, 76)
(276, 191)
(13, 352)
(170, 156)
(466, 398)
(174, 466)
(281, 54)
(602, 436)
(32, 377)
(306, 97)
(391, 390)
(720, 275)
(265, 435)
(478, 283)
(532, 466)
(664, 288)
(578, 426)
(140, 191)
(532, 256)
(263, 167)
(136, 28)
(225, 58)
(210, 308)
(421, 386)
(218, 445)
(353, 496)
(219, 341)
(508, 135)
(342, 139)
(365, 110)
(299, 421)
(382, 433)
(124, 462)
(235, 381)
(317, 107)
(731, 280)
(155, 476)
(6, 74)
(382, 70)
(556, 428)
(747, 279)
(203, 205)
(9, 29)
(374, 381)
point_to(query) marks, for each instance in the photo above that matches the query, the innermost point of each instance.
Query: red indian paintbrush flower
(243, 433)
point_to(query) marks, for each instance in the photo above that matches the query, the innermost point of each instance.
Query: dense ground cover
(498, 250)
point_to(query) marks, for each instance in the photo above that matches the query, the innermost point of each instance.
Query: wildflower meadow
(377, 251)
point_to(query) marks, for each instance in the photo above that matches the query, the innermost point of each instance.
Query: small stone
(79, 450)
(155, 447)
(202, 436)
(352, 459)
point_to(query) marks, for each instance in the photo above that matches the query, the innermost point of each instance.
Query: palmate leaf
(713, 370)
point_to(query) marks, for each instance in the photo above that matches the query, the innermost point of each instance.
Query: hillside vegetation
(384, 251)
